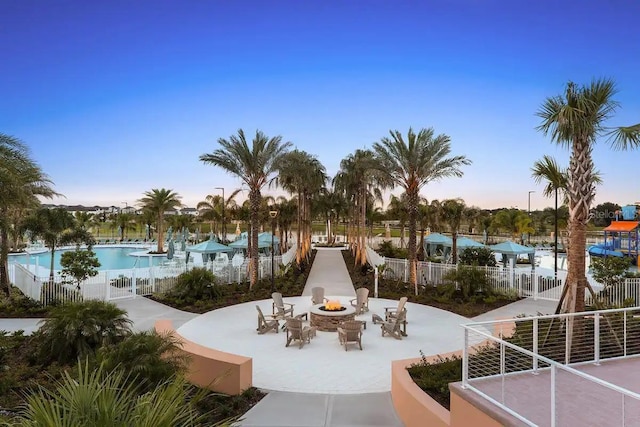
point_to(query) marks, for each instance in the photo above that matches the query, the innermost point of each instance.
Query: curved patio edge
(415, 407)
(209, 368)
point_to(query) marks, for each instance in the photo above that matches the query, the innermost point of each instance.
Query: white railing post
(624, 332)
(596, 338)
(567, 344)
(535, 345)
(502, 369)
(553, 396)
(107, 284)
(465, 359)
(134, 283)
(406, 263)
(535, 278)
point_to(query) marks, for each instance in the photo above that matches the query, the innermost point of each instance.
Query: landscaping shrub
(388, 250)
(18, 305)
(477, 256)
(197, 284)
(79, 329)
(434, 377)
(466, 283)
(102, 398)
(148, 358)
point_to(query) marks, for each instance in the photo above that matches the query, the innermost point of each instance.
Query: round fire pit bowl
(328, 321)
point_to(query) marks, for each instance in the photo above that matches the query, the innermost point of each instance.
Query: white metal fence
(539, 283)
(543, 369)
(118, 284)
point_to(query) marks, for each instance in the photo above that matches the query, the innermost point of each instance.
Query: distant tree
(604, 213)
(159, 201)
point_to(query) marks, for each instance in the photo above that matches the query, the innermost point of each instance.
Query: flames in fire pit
(333, 306)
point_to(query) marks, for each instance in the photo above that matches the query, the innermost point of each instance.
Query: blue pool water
(110, 259)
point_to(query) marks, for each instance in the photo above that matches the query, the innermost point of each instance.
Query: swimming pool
(111, 258)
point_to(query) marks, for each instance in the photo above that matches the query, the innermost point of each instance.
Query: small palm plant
(79, 329)
(98, 397)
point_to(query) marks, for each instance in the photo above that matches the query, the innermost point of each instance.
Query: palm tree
(303, 175)
(398, 210)
(359, 180)
(255, 166)
(21, 181)
(453, 212)
(56, 227)
(575, 120)
(159, 201)
(423, 158)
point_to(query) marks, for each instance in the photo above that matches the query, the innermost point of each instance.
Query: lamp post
(529, 213)
(273, 214)
(224, 230)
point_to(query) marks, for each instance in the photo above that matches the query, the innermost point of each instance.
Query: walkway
(330, 272)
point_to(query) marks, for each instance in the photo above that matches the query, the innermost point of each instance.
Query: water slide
(603, 250)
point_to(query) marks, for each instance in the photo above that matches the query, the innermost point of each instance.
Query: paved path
(330, 272)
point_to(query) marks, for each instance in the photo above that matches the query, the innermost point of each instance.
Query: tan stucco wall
(414, 407)
(216, 370)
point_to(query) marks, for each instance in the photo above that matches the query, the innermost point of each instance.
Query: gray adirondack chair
(265, 325)
(361, 302)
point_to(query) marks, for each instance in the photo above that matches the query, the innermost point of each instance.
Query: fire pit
(327, 317)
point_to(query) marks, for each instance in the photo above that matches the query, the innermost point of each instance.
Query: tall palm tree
(255, 166)
(398, 210)
(159, 201)
(359, 180)
(54, 226)
(21, 182)
(303, 175)
(453, 213)
(576, 120)
(411, 164)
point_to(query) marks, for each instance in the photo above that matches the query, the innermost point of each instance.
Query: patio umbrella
(208, 248)
(511, 250)
(183, 242)
(244, 244)
(170, 250)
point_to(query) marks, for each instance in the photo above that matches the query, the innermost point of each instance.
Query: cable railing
(534, 367)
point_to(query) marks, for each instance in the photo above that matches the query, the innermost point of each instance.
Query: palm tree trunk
(52, 246)
(4, 261)
(412, 201)
(454, 247)
(160, 232)
(299, 231)
(254, 201)
(363, 229)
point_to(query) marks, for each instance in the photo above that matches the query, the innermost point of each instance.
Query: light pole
(529, 213)
(224, 230)
(273, 214)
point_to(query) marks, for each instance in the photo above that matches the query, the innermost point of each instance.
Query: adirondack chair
(350, 331)
(296, 332)
(265, 325)
(278, 307)
(393, 327)
(361, 302)
(317, 295)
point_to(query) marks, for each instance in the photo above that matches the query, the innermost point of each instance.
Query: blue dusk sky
(115, 98)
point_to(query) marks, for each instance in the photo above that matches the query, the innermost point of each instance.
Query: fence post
(553, 395)
(535, 345)
(596, 338)
(536, 279)
(502, 368)
(107, 283)
(465, 359)
(405, 270)
(134, 284)
(625, 332)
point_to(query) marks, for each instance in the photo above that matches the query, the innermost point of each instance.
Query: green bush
(477, 256)
(467, 282)
(434, 377)
(148, 358)
(79, 329)
(197, 284)
(101, 398)
(386, 249)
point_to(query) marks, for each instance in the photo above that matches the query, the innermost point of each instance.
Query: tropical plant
(159, 201)
(513, 221)
(468, 282)
(610, 271)
(100, 398)
(477, 256)
(302, 174)
(576, 120)
(411, 164)
(125, 222)
(196, 284)
(21, 182)
(255, 166)
(56, 227)
(150, 359)
(79, 265)
(398, 210)
(453, 212)
(79, 329)
(359, 181)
